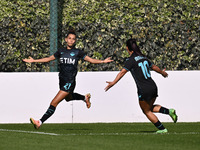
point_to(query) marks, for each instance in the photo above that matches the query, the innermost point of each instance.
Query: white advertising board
(25, 95)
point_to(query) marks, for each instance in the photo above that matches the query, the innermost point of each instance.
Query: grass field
(100, 136)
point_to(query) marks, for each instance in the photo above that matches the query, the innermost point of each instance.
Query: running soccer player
(68, 58)
(139, 66)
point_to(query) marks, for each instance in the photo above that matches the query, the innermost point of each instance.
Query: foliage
(167, 31)
(24, 32)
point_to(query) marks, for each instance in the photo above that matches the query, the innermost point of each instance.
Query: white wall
(25, 95)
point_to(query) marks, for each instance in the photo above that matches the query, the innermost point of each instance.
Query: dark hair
(132, 46)
(71, 31)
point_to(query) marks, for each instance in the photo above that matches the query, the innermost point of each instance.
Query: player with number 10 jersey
(139, 66)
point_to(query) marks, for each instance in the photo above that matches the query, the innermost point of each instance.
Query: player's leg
(57, 99)
(50, 111)
(69, 86)
(77, 96)
(163, 110)
(159, 109)
(146, 107)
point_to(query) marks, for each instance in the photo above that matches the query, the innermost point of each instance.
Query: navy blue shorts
(67, 85)
(147, 95)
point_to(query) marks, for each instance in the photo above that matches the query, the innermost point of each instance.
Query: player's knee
(146, 112)
(153, 107)
(54, 103)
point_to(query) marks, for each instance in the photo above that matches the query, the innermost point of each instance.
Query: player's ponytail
(132, 46)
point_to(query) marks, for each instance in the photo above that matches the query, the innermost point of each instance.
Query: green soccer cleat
(162, 131)
(173, 115)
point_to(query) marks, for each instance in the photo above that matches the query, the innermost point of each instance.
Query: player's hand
(107, 60)
(164, 74)
(29, 60)
(110, 84)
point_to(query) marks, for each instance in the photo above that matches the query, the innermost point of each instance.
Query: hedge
(167, 32)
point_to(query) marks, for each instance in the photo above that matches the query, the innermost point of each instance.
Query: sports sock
(164, 110)
(50, 111)
(159, 125)
(76, 96)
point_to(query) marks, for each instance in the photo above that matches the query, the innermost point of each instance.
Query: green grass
(100, 136)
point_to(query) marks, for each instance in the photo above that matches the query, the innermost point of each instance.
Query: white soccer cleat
(36, 123)
(87, 100)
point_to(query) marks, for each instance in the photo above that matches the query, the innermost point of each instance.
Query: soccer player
(68, 58)
(140, 66)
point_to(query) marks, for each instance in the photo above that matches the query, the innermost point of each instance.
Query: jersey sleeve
(57, 54)
(128, 64)
(81, 54)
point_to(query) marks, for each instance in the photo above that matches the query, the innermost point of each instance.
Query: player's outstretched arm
(46, 59)
(158, 70)
(97, 61)
(118, 77)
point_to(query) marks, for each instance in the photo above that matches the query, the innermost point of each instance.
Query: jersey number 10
(145, 67)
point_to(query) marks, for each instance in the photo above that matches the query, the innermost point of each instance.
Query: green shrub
(167, 31)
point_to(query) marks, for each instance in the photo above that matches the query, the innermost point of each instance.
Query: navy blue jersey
(139, 67)
(68, 61)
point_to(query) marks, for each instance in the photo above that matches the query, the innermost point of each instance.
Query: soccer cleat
(87, 100)
(162, 131)
(173, 115)
(36, 123)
